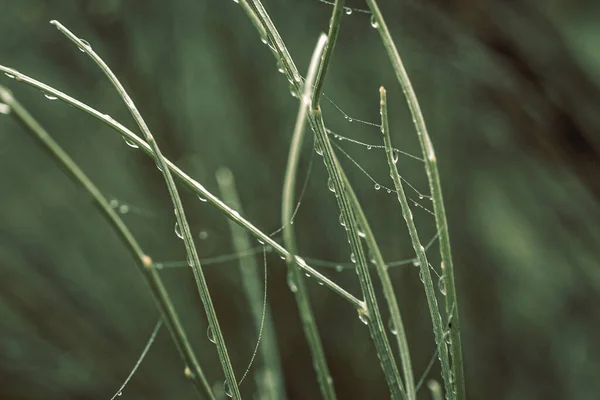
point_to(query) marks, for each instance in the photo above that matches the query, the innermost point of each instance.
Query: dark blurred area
(511, 94)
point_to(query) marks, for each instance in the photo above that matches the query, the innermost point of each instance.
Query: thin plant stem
(250, 273)
(140, 359)
(451, 302)
(144, 263)
(192, 184)
(424, 274)
(315, 120)
(192, 254)
(370, 314)
(296, 279)
(334, 28)
(388, 292)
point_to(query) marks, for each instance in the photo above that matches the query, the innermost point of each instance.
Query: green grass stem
(192, 254)
(270, 382)
(295, 277)
(143, 261)
(425, 274)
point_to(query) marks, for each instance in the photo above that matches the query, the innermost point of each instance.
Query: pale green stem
(425, 274)
(271, 378)
(143, 261)
(192, 254)
(194, 185)
(296, 278)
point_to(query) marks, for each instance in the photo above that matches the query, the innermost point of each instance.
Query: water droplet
(307, 274)
(11, 73)
(369, 147)
(236, 1)
(294, 91)
(442, 285)
(210, 334)
(350, 119)
(190, 260)
(131, 144)
(374, 22)
(393, 330)
(203, 235)
(227, 389)
(318, 148)
(361, 233)
(4, 109)
(291, 282)
(120, 394)
(86, 45)
(178, 231)
(342, 221)
(49, 96)
(280, 67)
(420, 197)
(330, 185)
(394, 156)
(123, 208)
(362, 316)
(320, 283)
(416, 262)
(377, 186)
(347, 10)
(353, 258)
(339, 268)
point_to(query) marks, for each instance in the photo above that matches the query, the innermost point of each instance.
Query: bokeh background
(511, 94)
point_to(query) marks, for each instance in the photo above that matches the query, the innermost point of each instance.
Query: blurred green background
(511, 94)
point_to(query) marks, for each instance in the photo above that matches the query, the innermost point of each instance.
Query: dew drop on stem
(374, 22)
(330, 185)
(394, 156)
(178, 230)
(392, 327)
(49, 96)
(86, 46)
(347, 10)
(131, 144)
(353, 258)
(377, 186)
(362, 316)
(210, 334)
(291, 282)
(227, 389)
(202, 199)
(442, 285)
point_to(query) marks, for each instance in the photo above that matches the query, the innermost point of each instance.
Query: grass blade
(435, 187)
(425, 274)
(251, 282)
(192, 254)
(296, 278)
(192, 184)
(143, 261)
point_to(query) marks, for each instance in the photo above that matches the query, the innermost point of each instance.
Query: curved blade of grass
(190, 247)
(195, 186)
(334, 28)
(388, 292)
(251, 278)
(282, 55)
(370, 314)
(436, 318)
(289, 238)
(143, 261)
(433, 177)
